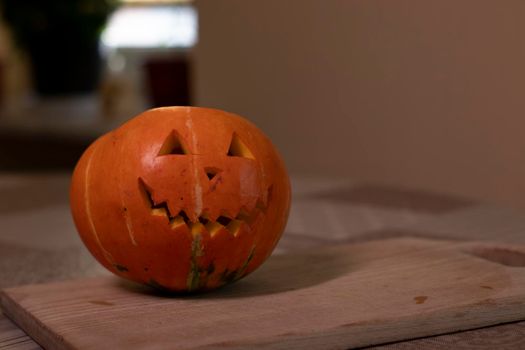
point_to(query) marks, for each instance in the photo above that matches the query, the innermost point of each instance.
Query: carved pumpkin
(181, 198)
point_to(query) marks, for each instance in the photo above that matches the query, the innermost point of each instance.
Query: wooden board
(337, 297)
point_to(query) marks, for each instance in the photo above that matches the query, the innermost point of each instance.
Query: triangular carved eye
(172, 145)
(239, 149)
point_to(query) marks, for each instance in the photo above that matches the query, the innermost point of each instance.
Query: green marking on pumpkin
(244, 266)
(121, 268)
(232, 276)
(192, 283)
(228, 276)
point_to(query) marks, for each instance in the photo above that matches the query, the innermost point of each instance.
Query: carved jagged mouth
(232, 224)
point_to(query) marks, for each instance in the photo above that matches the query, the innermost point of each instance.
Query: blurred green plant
(61, 37)
(33, 20)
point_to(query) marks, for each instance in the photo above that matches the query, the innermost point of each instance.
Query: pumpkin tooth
(230, 222)
(196, 229)
(184, 217)
(159, 212)
(176, 222)
(234, 227)
(213, 227)
(247, 216)
(244, 214)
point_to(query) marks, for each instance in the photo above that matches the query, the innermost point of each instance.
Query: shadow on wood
(281, 273)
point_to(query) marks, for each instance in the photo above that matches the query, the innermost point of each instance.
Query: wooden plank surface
(335, 297)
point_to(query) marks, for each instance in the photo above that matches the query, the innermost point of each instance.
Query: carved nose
(212, 172)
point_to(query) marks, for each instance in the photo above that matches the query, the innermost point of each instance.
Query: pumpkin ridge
(107, 255)
(197, 189)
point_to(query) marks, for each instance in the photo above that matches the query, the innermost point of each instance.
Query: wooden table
(38, 242)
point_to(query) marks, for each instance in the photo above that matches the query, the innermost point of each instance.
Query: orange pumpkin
(181, 198)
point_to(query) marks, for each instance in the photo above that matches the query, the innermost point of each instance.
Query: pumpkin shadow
(279, 274)
(290, 272)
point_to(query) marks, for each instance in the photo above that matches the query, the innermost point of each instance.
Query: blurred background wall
(427, 94)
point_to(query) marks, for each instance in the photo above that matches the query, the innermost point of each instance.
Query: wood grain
(14, 338)
(336, 297)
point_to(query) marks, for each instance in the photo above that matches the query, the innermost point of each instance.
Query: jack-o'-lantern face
(224, 185)
(181, 198)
